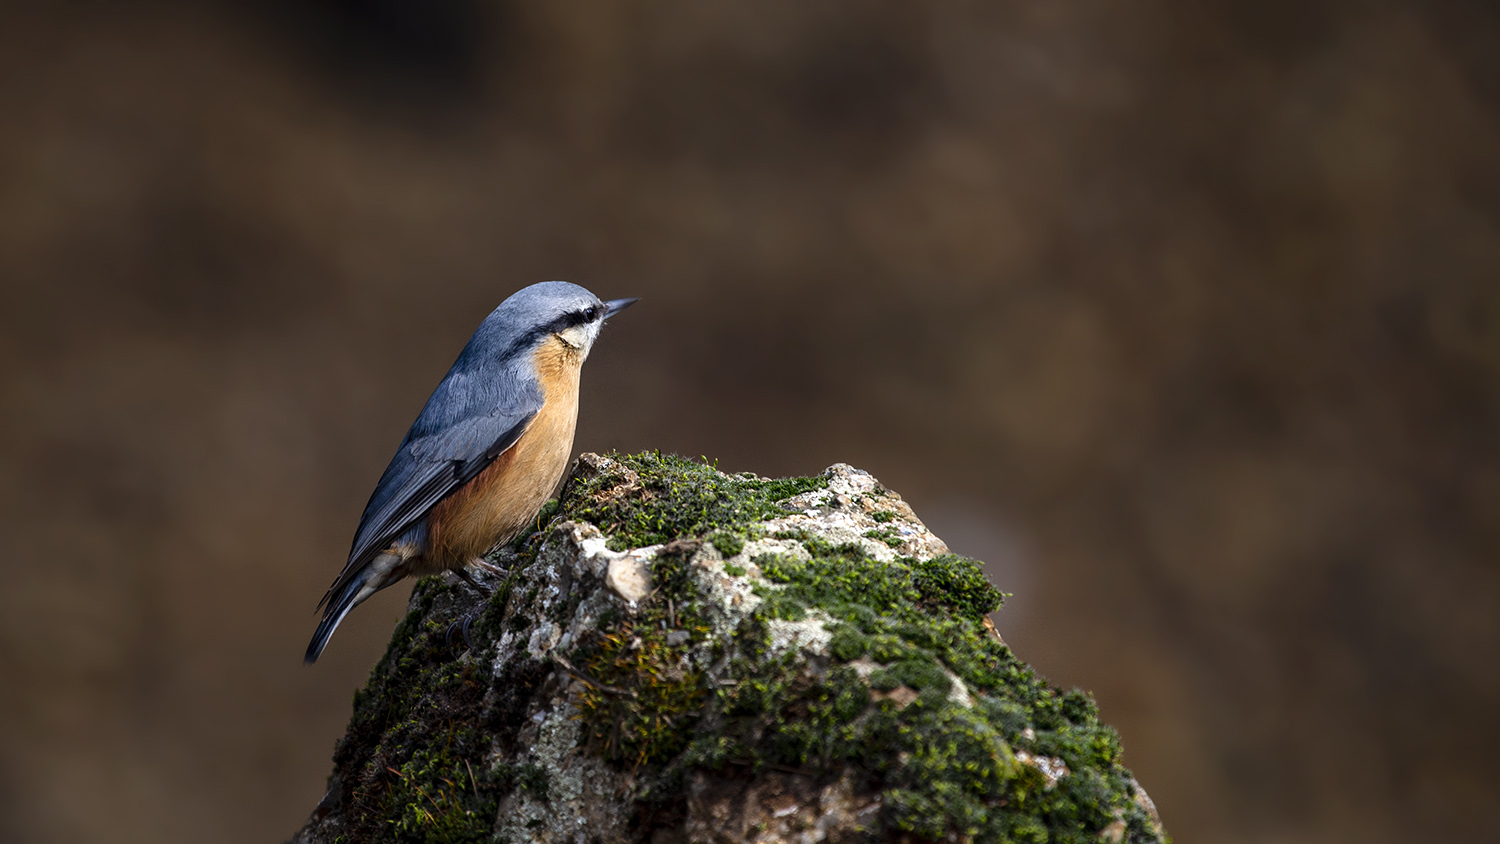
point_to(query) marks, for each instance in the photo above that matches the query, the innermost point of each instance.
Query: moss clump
(955, 583)
(954, 770)
(816, 720)
(943, 762)
(413, 756)
(845, 576)
(677, 497)
(728, 543)
(436, 798)
(640, 694)
(529, 776)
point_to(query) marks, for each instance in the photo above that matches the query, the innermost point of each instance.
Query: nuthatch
(484, 454)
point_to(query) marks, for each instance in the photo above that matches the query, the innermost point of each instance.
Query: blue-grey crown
(544, 303)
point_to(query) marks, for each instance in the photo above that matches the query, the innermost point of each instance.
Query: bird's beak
(614, 306)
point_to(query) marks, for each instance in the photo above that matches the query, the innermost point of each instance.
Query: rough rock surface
(680, 655)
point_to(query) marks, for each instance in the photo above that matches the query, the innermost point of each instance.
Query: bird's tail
(369, 579)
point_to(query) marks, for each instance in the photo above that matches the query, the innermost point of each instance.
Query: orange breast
(500, 501)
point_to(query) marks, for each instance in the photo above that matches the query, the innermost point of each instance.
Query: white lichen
(579, 800)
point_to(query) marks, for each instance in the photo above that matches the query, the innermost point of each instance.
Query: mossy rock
(685, 655)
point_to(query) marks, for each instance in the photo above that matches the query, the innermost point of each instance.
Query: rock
(690, 656)
(629, 577)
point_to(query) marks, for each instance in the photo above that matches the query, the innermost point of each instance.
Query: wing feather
(471, 419)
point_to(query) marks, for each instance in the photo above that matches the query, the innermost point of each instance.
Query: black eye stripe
(573, 318)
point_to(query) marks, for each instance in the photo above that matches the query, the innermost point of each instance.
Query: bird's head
(558, 309)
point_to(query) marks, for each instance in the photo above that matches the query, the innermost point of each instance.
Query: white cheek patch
(580, 337)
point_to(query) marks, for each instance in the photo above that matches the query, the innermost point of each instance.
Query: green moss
(1008, 715)
(886, 535)
(781, 605)
(734, 570)
(838, 576)
(848, 644)
(921, 672)
(435, 798)
(956, 768)
(944, 770)
(882, 680)
(883, 516)
(412, 756)
(941, 769)
(957, 584)
(844, 576)
(728, 544)
(527, 775)
(638, 700)
(545, 515)
(640, 696)
(678, 497)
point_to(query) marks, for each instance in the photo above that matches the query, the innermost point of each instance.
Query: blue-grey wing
(471, 419)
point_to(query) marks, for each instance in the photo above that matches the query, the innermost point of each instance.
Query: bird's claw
(463, 625)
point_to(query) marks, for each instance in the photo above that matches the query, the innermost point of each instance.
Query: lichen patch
(565, 796)
(809, 636)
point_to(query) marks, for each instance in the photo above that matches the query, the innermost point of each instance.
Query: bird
(485, 453)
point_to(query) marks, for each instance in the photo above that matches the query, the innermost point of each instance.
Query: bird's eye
(592, 313)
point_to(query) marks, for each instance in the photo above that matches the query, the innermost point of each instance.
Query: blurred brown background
(1184, 315)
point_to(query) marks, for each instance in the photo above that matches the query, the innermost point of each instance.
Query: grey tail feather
(337, 608)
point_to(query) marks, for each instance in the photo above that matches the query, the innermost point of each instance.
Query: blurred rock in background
(1184, 315)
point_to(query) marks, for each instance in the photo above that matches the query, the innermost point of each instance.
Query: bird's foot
(484, 591)
(463, 625)
(485, 565)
